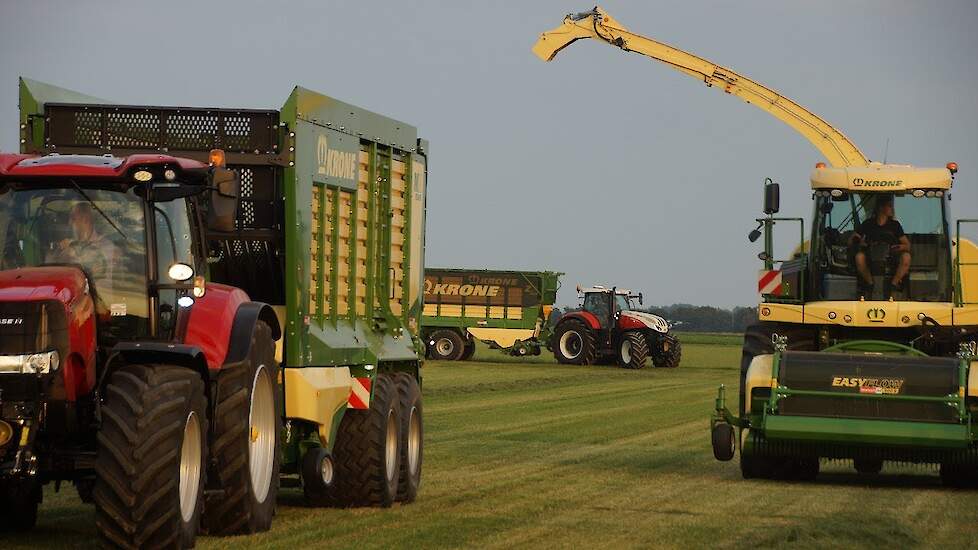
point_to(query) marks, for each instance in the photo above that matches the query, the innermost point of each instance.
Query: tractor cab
(606, 304)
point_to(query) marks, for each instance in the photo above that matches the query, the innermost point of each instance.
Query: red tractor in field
(121, 370)
(607, 329)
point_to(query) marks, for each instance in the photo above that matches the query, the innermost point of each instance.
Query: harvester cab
(865, 345)
(608, 328)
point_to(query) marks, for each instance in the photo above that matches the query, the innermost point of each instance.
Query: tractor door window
(173, 245)
(597, 304)
(622, 303)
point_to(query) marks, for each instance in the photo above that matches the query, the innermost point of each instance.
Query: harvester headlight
(939, 193)
(931, 193)
(918, 193)
(142, 175)
(170, 174)
(836, 193)
(831, 315)
(30, 363)
(185, 301)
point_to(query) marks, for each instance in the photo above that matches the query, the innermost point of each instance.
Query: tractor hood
(58, 283)
(654, 322)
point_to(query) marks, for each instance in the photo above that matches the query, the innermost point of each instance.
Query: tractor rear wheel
(633, 350)
(445, 345)
(245, 458)
(367, 450)
(412, 437)
(19, 500)
(152, 457)
(573, 343)
(669, 354)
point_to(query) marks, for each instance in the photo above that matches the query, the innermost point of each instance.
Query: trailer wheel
(318, 476)
(573, 343)
(367, 450)
(468, 351)
(633, 351)
(19, 500)
(724, 442)
(412, 437)
(669, 353)
(445, 345)
(245, 458)
(152, 457)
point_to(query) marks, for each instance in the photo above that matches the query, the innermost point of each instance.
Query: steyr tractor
(865, 349)
(608, 329)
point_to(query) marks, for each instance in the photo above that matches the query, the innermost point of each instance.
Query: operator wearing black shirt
(883, 228)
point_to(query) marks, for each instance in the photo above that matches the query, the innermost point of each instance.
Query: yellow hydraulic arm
(597, 24)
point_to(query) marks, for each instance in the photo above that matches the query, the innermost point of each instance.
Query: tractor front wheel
(152, 457)
(724, 443)
(633, 351)
(573, 343)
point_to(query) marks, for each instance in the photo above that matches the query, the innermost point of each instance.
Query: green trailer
(508, 310)
(329, 231)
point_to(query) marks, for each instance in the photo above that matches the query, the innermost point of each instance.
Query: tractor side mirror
(640, 299)
(772, 198)
(826, 207)
(754, 235)
(223, 200)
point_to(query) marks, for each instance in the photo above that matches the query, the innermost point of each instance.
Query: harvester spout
(573, 28)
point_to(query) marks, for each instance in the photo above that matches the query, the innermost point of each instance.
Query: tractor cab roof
(104, 167)
(886, 178)
(599, 288)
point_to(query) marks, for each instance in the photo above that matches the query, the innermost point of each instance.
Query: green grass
(544, 455)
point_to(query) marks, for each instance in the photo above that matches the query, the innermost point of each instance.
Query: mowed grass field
(529, 453)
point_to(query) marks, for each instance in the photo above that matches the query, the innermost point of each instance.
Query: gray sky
(601, 164)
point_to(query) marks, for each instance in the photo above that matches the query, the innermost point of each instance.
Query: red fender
(211, 320)
(586, 317)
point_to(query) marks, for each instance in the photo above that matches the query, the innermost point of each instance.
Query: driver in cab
(86, 247)
(883, 228)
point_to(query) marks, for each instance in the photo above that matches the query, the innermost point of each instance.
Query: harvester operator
(883, 228)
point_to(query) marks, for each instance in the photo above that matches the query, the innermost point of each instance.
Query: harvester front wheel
(367, 450)
(318, 476)
(573, 343)
(669, 354)
(245, 458)
(412, 437)
(633, 351)
(724, 442)
(445, 345)
(152, 457)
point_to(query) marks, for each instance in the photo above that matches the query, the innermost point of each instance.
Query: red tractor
(121, 370)
(607, 329)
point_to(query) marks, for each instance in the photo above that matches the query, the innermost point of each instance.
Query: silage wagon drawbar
(198, 303)
(508, 310)
(865, 348)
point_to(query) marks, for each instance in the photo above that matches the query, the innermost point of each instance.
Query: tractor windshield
(922, 219)
(622, 303)
(101, 231)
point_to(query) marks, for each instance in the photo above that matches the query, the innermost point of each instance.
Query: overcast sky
(601, 164)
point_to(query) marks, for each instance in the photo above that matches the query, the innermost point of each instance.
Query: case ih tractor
(141, 300)
(607, 329)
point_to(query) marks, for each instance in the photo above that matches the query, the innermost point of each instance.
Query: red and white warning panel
(769, 281)
(359, 394)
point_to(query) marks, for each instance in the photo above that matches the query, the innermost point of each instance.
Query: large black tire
(19, 500)
(445, 345)
(367, 466)
(247, 472)
(148, 413)
(468, 351)
(633, 350)
(668, 353)
(412, 437)
(573, 343)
